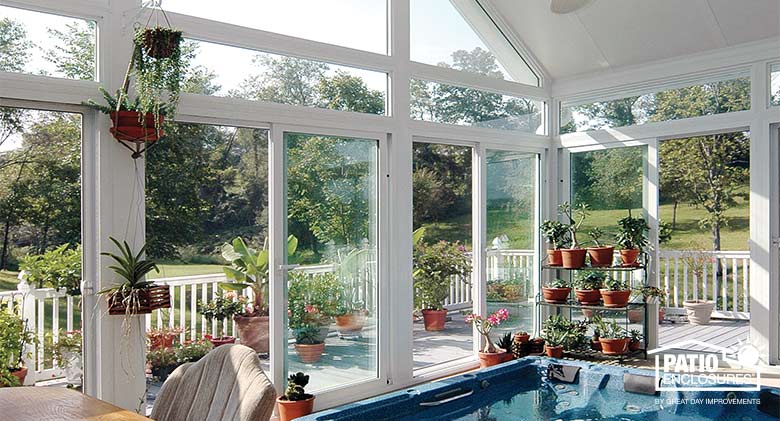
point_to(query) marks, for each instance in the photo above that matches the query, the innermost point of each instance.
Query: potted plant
(613, 338)
(574, 256)
(655, 295)
(249, 269)
(554, 340)
(520, 344)
(699, 311)
(162, 362)
(505, 343)
(163, 337)
(555, 233)
(435, 266)
(350, 313)
(635, 338)
(594, 340)
(131, 122)
(536, 346)
(14, 338)
(632, 239)
(616, 293)
(600, 256)
(556, 291)
(222, 306)
(135, 295)
(59, 269)
(587, 286)
(295, 402)
(192, 351)
(490, 354)
(66, 352)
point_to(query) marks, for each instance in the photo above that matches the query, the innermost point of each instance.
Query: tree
(73, 52)
(286, 80)
(616, 178)
(14, 46)
(349, 93)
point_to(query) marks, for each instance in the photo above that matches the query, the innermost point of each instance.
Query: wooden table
(57, 403)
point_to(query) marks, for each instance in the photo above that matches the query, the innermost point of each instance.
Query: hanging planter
(131, 126)
(160, 42)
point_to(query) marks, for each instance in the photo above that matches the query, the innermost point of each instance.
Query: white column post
(650, 199)
(479, 234)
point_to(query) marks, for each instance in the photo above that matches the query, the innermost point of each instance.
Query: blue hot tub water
(521, 390)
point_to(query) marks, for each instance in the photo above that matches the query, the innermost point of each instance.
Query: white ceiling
(608, 34)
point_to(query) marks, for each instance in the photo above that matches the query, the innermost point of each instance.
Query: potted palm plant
(135, 295)
(490, 354)
(295, 402)
(587, 286)
(555, 233)
(249, 269)
(556, 291)
(221, 307)
(435, 267)
(600, 255)
(616, 293)
(631, 239)
(574, 256)
(14, 338)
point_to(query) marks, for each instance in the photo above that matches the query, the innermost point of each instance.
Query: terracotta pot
(352, 322)
(128, 126)
(573, 258)
(556, 295)
(554, 351)
(253, 332)
(628, 257)
(522, 337)
(661, 315)
(434, 319)
(536, 346)
(20, 374)
(595, 344)
(508, 356)
(222, 341)
(633, 346)
(489, 359)
(310, 353)
(554, 257)
(601, 256)
(699, 312)
(635, 315)
(290, 410)
(163, 341)
(614, 346)
(588, 313)
(615, 298)
(588, 297)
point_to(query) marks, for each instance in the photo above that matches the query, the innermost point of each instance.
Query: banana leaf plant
(132, 268)
(249, 269)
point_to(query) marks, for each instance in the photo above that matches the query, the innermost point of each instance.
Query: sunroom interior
(323, 155)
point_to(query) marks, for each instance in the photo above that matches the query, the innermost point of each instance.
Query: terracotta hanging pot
(554, 257)
(601, 256)
(573, 258)
(130, 127)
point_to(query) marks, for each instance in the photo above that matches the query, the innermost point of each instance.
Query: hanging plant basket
(131, 127)
(149, 299)
(160, 42)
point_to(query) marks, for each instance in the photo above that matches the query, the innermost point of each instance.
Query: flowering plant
(485, 325)
(434, 265)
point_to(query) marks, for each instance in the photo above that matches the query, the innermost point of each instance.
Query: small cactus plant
(295, 387)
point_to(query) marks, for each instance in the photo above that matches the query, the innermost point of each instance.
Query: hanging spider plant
(134, 295)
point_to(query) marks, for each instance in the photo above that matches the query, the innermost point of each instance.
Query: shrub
(59, 269)
(189, 352)
(434, 265)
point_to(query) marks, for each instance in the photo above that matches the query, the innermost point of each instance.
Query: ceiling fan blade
(562, 7)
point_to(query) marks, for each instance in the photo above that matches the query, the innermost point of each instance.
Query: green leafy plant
(120, 102)
(132, 268)
(162, 357)
(59, 269)
(589, 280)
(14, 336)
(222, 306)
(434, 266)
(310, 299)
(249, 269)
(557, 283)
(505, 341)
(66, 345)
(555, 233)
(559, 331)
(596, 234)
(295, 390)
(158, 80)
(633, 233)
(635, 335)
(615, 284)
(189, 352)
(609, 329)
(650, 292)
(576, 216)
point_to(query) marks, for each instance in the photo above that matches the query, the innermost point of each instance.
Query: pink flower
(310, 309)
(502, 314)
(470, 318)
(230, 295)
(494, 320)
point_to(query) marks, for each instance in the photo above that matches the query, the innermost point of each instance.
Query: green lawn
(8, 280)
(170, 270)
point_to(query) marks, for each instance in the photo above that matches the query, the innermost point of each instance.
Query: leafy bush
(310, 297)
(633, 233)
(434, 265)
(590, 280)
(162, 357)
(509, 290)
(615, 284)
(189, 352)
(67, 342)
(14, 335)
(59, 268)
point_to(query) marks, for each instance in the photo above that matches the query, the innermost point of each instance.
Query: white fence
(721, 276)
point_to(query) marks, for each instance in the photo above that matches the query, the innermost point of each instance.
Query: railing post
(28, 315)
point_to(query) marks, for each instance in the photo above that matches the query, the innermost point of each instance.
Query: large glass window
(332, 220)
(511, 211)
(45, 44)
(360, 24)
(442, 222)
(450, 104)
(693, 101)
(774, 84)
(220, 70)
(460, 35)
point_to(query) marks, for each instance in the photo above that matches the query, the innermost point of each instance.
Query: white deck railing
(724, 278)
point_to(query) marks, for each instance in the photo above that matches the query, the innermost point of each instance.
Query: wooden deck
(725, 333)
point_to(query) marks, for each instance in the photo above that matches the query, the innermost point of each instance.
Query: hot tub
(527, 389)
